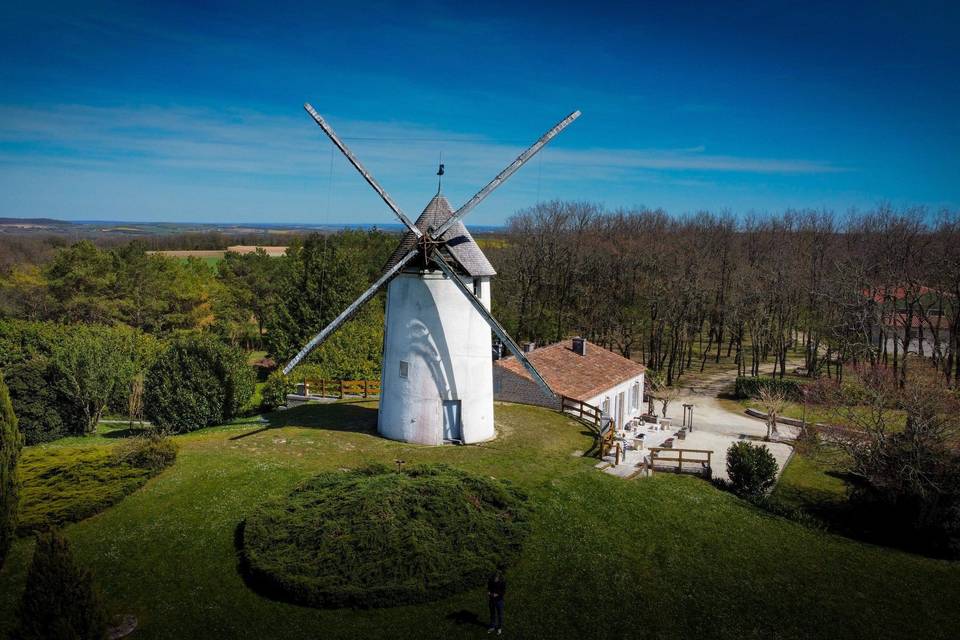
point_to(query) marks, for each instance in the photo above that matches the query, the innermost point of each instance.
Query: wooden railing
(340, 388)
(694, 456)
(586, 412)
(592, 416)
(608, 440)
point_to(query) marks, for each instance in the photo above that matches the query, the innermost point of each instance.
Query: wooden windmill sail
(437, 379)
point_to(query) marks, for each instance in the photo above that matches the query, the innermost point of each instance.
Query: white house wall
(611, 394)
(446, 344)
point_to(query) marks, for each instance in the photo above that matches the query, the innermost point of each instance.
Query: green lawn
(816, 413)
(667, 557)
(811, 481)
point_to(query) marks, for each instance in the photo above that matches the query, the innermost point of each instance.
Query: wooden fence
(592, 416)
(694, 456)
(340, 388)
(586, 412)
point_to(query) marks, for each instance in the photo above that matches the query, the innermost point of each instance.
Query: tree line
(676, 292)
(673, 292)
(94, 331)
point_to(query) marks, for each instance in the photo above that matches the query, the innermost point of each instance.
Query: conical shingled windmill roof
(459, 243)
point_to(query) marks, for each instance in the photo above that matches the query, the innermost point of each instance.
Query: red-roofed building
(577, 369)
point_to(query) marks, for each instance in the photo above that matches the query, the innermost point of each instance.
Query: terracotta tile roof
(573, 375)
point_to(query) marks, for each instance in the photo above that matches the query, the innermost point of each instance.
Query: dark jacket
(497, 588)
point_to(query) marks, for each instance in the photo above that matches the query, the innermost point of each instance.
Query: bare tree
(135, 400)
(773, 403)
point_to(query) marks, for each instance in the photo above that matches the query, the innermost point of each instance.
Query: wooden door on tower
(451, 420)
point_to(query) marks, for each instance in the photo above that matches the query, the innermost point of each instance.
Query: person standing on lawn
(496, 589)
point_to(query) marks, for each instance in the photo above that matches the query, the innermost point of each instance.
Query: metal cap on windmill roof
(459, 243)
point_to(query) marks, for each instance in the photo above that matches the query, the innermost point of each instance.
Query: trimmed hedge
(374, 537)
(275, 390)
(749, 387)
(197, 382)
(45, 414)
(69, 484)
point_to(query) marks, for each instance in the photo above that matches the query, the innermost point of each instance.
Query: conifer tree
(59, 602)
(11, 442)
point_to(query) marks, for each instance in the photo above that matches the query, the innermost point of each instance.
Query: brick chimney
(580, 346)
(529, 346)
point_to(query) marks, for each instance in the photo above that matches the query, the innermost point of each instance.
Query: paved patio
(714, 429)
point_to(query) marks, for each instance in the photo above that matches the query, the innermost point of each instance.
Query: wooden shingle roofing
(573, 375)
(460, 244)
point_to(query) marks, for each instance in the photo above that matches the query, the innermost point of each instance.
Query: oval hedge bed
(373, 537)
(69, 484)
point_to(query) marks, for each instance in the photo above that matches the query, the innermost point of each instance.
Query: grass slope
(812, 480)
(660, 558)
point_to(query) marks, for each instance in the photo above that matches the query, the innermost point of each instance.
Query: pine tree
(60, 601)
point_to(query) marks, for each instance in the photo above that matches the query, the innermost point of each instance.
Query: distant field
(191, 254)
(492, 243)
(213, 256)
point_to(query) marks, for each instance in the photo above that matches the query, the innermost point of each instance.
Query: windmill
(437, 380)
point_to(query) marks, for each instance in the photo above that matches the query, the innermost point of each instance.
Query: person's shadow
(464, 617)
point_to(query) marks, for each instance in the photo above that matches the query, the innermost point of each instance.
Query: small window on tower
(404, 368)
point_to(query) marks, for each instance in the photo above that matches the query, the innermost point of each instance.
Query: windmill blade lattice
(506, 173)
(494, 325)
(318, 339)
(327, 129)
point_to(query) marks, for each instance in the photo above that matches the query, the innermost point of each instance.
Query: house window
(606, 406)
(635, 396)
(404, 368)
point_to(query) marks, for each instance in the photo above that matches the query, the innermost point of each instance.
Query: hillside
(663, 557)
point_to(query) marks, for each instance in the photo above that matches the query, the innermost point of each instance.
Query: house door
(451, 420)
(620, 409)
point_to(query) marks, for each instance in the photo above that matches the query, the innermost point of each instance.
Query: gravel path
(715, 429)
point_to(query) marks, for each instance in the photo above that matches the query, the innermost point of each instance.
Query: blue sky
(192, 111)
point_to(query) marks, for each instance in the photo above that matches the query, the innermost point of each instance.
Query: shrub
(60, 601)
(197, 382)
(94, 363)
(275, 390)
(11, 442)
(749, 387)
(44, 413)
(373, 537)
(151, 453)
(64, 377)
(21, 341)
(751, 468)
(68, 484)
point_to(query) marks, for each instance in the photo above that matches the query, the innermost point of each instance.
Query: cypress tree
(60, 602)
(11, 442)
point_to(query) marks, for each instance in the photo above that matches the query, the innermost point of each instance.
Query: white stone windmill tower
(437, 379)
